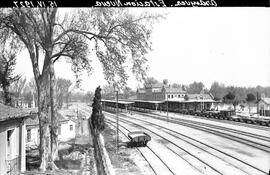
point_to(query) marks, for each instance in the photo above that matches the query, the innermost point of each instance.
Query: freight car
(189, 109)
(138, 138)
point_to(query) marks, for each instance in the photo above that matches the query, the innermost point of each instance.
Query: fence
(103, 163)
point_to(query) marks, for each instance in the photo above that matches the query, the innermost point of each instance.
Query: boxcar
(138, 138)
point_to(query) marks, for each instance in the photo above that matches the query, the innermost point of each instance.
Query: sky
(228, 45)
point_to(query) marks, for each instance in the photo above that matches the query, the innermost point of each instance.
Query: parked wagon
(138, 138)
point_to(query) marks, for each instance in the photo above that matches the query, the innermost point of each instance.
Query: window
(9, 133)
(168, 96)
(28, 135)
(71, 127)
(10, 143)
(178, 96)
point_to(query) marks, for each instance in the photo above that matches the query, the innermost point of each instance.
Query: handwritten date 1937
(34, 4)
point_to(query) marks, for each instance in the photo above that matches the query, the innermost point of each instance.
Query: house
(66, 130)
(160, 92)
(12, 139)
(264, 106)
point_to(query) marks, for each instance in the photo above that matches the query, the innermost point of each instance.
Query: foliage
(128, 92)
(230, 96)
(108, 91)
(250, 98)
(97, 118)
(150, 81)
(195, 87)
(176, 85)
(7, 75)
(217, 90)
(165, 82)
(18, 87)
(62, 91)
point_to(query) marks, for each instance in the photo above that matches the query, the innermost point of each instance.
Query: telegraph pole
(117, 123)
(167, 108)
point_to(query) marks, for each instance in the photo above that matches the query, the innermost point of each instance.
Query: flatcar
(138, 138)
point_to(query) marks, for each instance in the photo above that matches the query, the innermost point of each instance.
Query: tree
(108, 91)
(18, 86)
(7, 76)
(217, 90)
(128, 92)
(250, 99)
(32, 85)
(89, 95)
(113, 34)
(150, 81)
(165, 81)
(62, 91)
(195, 87)
(97, 118)
(229, 97)
(176, 85)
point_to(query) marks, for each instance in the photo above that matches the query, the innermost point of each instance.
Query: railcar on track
(138, 138)
(186, 109)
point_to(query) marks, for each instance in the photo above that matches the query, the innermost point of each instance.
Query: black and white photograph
(134, 90)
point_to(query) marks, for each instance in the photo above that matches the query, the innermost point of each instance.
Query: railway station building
(160, 92)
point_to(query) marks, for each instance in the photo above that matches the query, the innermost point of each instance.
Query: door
(12, 158)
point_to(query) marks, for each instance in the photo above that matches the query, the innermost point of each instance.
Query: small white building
(264, 106)
(66, 130)
(12, 139)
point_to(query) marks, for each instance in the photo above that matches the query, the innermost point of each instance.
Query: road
(190, 145)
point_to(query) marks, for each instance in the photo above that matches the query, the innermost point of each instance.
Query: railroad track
(237, 123)
(213, 126)
(195, 158)
(143, 153)
(227, 158)
(201, 126)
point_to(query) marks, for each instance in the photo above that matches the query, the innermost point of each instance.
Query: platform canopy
(119, 101)
(147, 101)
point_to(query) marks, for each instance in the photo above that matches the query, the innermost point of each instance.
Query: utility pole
(117, 123)
(167, 108)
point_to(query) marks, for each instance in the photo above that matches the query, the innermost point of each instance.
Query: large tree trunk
(54, 120)
(44, 121)
(48, 122)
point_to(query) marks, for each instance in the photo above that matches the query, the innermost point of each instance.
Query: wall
(17, 143)
(66, 133)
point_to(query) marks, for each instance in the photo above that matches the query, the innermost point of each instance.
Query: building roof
(33, 121)
(174, 90)
(200, 96)
(119, 101)
(158, 87)
(8, 112)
